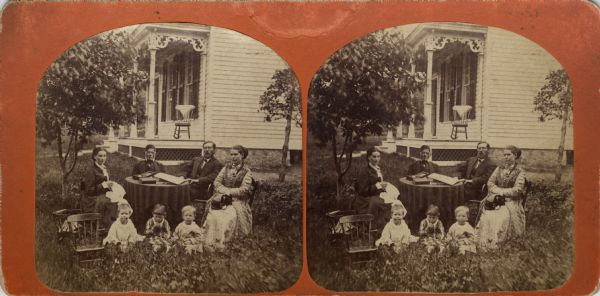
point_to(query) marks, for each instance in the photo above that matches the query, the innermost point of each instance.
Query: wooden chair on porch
(183, 121)
(460, 125)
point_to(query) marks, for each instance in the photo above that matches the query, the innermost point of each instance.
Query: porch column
(399, 131)
(121, 131)
(479, 94)
(411, 129)
(133, 126)
(150, 122)
(111, 133)
(202, 92)
(428, 104)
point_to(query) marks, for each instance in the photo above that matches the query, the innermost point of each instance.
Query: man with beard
(204, 170)
(476, 171)
(149, 164)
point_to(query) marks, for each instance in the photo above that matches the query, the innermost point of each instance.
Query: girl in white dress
(461, 234)
(122, 232)
(188, 234)
(396, 232)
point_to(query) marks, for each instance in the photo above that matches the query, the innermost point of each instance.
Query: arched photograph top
(160, 148)
(441, 157)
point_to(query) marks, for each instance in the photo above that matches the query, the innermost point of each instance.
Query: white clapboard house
(211, 78)
(482, 80)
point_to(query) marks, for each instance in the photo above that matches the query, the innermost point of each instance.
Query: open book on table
(170, 178)
(444, 179)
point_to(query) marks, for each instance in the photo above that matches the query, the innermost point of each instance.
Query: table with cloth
(417, 197)
(143, 197)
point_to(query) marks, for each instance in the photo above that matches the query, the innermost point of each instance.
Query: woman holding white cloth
(370, 186)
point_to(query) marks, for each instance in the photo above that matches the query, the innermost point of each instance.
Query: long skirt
(375, 206)
(224, 225)
(502, 224)
(102, 205)
(219, 226)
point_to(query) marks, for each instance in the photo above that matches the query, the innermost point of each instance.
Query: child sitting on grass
(158, 230)
(396, 232)
(461, 235)
(188, 234)
(122, 232)
(432, 230)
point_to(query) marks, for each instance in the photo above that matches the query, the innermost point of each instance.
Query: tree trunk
(285, 149)
(561, 147)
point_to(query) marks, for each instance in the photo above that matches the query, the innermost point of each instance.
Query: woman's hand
(383, 185)
(490, 197)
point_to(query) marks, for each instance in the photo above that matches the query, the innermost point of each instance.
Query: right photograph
(440, 159)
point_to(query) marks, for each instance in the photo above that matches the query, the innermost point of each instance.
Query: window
(457, 84)
(181, 84)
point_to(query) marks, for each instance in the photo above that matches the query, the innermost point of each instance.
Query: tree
(90, 87)
(362, 89)
(282, 100)
(555, 100)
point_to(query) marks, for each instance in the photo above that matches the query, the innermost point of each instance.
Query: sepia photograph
(168, 160)
(440, 159)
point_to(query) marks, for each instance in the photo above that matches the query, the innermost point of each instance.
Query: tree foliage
(89, 88)
(282, 96)
(364, 88)
(281, 100)
(555, 101)
(555, 97)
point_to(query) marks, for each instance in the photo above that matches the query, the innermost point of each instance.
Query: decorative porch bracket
(437, 42)
(158, 41)
(161, 40)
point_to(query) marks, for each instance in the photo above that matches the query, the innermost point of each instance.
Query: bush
(279, 206)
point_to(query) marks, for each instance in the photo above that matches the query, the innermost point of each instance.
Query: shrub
(279, 206)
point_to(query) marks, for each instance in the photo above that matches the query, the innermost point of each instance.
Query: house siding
(239, 71)
(514, 70)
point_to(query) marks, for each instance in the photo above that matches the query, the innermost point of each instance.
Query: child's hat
(159, 209)
(433, 210)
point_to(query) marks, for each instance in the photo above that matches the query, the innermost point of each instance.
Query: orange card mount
(304, 35)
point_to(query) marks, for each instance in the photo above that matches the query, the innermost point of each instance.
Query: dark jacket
(366, 182)
(479, 175)
(93, 181)
(423, 166)
(144, 166)
(205, 175)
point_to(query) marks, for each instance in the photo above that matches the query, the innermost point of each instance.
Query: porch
(450, 113)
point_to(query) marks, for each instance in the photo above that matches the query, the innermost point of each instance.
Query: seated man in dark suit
(149, 164)
(476, 171)
(203, 171)
(423, 165)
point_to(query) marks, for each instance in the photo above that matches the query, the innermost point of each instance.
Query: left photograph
(168, 160)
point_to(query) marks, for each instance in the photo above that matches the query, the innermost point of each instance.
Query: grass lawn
(267, 261)
(542, 259)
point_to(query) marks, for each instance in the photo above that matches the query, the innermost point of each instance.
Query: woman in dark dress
(370, 185)
(97, 183)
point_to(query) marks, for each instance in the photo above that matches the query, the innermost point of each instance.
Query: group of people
(501, 212)
(227, 215)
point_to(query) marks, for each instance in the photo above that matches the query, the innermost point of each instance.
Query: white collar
(377, 168)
